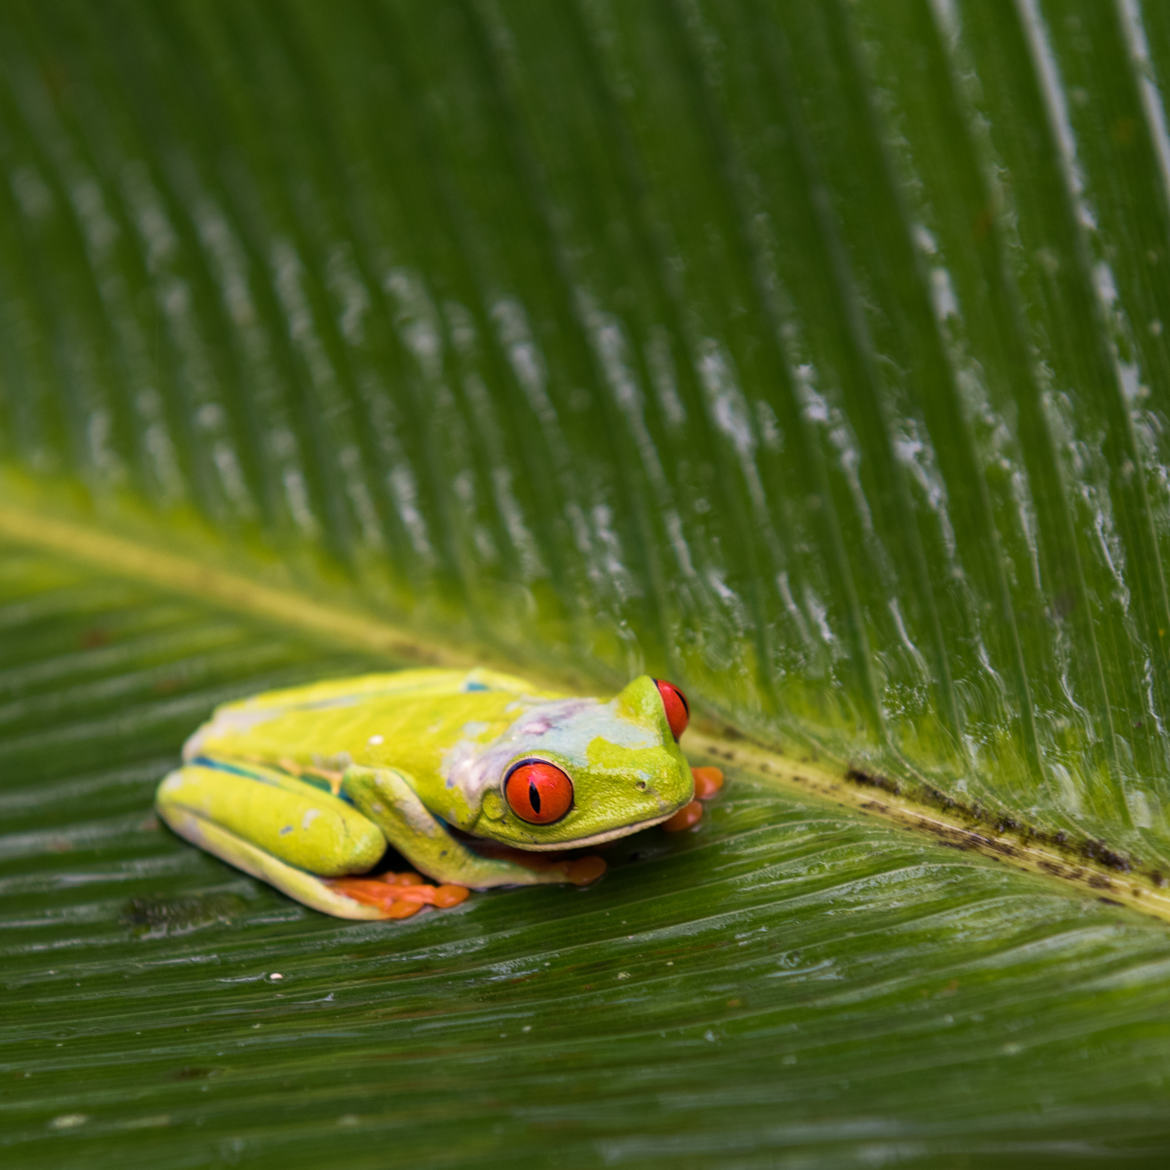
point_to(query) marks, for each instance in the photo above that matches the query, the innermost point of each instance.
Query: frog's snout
(668, 792)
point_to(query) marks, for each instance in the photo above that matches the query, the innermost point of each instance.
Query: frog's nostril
(641, 786)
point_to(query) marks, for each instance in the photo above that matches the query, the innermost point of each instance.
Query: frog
(475, 778)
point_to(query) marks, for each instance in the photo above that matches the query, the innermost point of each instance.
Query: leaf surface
(812, 356)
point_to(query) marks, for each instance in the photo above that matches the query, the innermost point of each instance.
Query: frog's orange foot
(399, 895)
(578, 871)
(686, 817)
(708, 781)
(584, 871)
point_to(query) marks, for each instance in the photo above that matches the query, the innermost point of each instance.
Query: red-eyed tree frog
(474, 778)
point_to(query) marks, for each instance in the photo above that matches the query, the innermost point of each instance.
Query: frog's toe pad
(399, 895)
(686, 817)
(708, 781)
(584, 871)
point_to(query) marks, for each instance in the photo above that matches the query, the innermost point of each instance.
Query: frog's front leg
(387, 797)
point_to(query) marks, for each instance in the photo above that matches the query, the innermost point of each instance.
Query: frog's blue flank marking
(224, 766)
(261, 778)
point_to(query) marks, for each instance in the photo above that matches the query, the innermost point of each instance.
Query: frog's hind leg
(275, 827)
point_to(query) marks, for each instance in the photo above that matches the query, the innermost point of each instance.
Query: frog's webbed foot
(398, 895)
(708, 781)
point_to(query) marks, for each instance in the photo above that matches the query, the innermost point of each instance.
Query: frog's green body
(312, 783)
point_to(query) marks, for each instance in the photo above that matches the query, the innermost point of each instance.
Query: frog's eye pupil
(678, 711)
(538, 792)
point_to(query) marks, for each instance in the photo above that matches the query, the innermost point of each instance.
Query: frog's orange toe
(708, 781)
(402, 909)
(448, 896)
(584, 871)
(685, 818)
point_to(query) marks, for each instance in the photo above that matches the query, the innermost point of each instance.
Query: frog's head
(572, 772)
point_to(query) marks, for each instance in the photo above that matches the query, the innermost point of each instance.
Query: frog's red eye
(678, 713)
(538, 792)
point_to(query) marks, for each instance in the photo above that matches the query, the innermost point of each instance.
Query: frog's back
(403, 685)
(405, 718)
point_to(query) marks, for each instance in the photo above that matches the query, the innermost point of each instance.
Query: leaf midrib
(49, 530)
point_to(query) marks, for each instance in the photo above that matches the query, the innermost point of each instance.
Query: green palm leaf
(810, 355)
